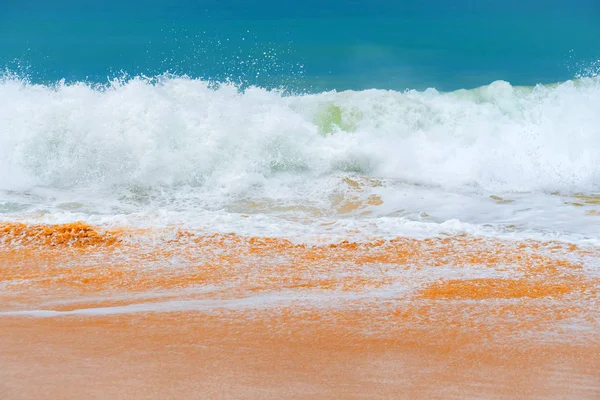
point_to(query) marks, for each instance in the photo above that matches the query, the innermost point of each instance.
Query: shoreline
(227, 316)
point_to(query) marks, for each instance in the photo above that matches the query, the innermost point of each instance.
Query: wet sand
(92, 314)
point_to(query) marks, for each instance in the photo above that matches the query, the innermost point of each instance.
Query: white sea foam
(179, 145)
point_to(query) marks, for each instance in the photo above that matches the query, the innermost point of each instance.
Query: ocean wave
(166, 132)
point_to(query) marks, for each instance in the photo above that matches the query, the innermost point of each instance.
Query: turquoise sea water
(308, 46)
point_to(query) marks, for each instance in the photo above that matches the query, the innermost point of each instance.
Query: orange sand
(226, 316)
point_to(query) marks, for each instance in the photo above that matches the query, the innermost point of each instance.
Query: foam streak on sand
(451, 316)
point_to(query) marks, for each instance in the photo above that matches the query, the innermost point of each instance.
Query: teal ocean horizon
(308, 47)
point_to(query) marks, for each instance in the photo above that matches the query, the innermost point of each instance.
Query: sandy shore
(92, 314)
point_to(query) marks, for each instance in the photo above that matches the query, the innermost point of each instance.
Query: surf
(178, 131)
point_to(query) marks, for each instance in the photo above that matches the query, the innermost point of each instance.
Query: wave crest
(172, 131)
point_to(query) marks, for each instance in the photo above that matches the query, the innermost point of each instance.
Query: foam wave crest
(176, 131)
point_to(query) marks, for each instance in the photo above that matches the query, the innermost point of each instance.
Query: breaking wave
(170, 132)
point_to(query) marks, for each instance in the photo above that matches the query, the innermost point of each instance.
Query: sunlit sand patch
(501, 200)
(593, 199)
(76, 234)
(346, 205)
(584, 201)
(479, 289)
(356, 199)
(362, 182)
